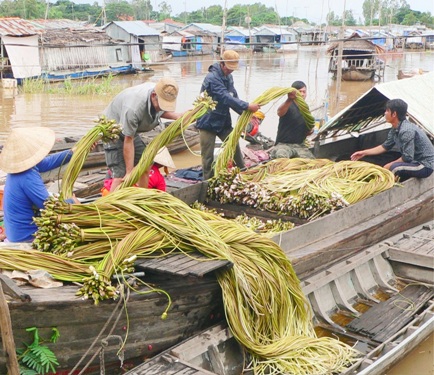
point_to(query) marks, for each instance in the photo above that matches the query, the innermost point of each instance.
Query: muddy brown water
(73, 115)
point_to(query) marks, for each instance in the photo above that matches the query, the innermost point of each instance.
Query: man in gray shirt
(417, 151)
(138, 109)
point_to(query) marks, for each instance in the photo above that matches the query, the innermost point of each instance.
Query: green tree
(409, 19)
(349, 18)
(119, 10)
(371, 10)
(213, 14)
(8, 8)
(142, 9)
(165, 10)
(333, 19)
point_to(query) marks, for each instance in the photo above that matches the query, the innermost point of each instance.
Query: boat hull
(195, 306)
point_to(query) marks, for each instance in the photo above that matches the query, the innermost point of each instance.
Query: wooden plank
(7, 336)
(168, 365)
(344, 241)
(181, 264)
(199, 344)
(411, 244)
(383, 320)
(422, 260)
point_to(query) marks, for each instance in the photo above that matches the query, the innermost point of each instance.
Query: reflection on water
(74, 115)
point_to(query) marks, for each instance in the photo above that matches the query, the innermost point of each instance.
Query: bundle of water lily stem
(265, 306)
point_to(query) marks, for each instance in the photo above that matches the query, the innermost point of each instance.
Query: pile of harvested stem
(229, 146)
(303, 188)
(202, 104)
(264, 303)
(268, 228)
(105, 130)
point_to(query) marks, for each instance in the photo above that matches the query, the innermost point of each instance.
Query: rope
(100, 333)
(104, 343)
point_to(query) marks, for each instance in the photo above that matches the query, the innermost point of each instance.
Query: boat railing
(357, 64)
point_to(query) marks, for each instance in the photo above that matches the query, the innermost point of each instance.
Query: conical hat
(163, 158)
(25, 147)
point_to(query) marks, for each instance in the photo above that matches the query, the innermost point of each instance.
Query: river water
(73, 115)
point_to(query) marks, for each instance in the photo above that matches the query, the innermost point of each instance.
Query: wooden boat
(194, 291)
(86, 329)
(410, 73)
(96, 158)
(357, 301)
(358, 61)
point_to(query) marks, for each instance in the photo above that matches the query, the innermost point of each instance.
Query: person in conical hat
(23, 158)
(162, 159)
(156, 179)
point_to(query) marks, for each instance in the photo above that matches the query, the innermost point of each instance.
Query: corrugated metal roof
(274, 30)
(17, 27)
(205, 27)
(417, 92)
(58, 24)
(137, 28)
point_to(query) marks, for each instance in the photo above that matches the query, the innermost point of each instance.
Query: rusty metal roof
(15, 26)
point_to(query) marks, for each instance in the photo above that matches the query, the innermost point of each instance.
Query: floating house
(187, 43)
(383, 39)
(19, 52)
(309, 35)
(359, 61)
(58, 49)
(271, 39)
(144, 42)
(208, 36)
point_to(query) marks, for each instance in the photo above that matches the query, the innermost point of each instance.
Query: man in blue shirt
(417, 151)
(23, 158)
(219, 84)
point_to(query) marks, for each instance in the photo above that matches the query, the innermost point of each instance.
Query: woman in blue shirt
(24, 157)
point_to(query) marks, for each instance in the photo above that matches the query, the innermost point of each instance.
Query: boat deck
(196, 265)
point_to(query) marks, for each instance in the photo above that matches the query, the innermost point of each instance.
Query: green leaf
(55, 335)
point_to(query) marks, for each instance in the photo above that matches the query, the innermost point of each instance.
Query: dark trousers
(207, 145)
(407, 170)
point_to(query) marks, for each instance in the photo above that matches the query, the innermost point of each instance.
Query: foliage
(91, 86)
(375, 12)
(36, 358)
(335, 20)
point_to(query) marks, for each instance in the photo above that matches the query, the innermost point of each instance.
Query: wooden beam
(7, 336)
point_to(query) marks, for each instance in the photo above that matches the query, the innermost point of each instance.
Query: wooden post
(7, 336)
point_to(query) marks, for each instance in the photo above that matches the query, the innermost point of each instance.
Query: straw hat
(167, 92)
(163, 158)
(25, 147)
(231, 59)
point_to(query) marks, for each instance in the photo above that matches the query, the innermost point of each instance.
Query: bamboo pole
(7, 336)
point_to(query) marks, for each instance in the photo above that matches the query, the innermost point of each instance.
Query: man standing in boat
(417, 151)
(219, 84)
(292, 130)
(138, 109)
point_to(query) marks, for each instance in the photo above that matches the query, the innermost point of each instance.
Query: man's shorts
(114, 155)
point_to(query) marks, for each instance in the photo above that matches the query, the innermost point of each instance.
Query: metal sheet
(23, 53)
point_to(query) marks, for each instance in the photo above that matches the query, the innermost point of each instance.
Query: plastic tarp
(23, 53)
(135, 53)
(417, 92)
